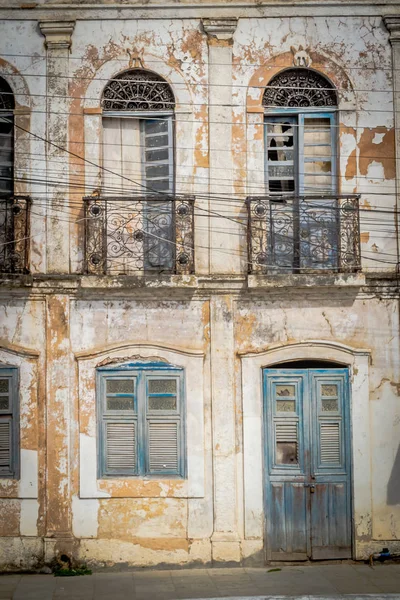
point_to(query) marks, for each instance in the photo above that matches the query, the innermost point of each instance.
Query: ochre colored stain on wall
(383, 152)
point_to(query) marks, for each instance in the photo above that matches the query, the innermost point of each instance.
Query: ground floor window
(141, 420)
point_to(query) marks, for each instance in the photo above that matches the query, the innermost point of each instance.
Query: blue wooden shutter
(286, 496)
(331, 502)
(118, 424)
(9, 423)
(319, 217)
(158, 154)
(163, 425)
(158, 169)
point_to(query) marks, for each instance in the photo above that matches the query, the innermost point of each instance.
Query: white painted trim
(252, 392)
(193, 364)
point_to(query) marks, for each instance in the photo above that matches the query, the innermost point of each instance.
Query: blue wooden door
(307, 462)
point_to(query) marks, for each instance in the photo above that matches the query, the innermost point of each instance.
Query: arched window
(7, 105)
(138, 107)
(300, 133)
(300, 166)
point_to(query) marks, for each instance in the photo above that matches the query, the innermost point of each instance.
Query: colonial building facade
(199, 253)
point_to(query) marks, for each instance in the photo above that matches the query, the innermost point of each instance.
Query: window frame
(298, 148)
(13, 415)
(142, 115)
(141, 415)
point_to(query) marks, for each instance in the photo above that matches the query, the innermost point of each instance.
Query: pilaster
(392, 23)
(58, 419)
(224, 233)
(225, 540)
(58, 35)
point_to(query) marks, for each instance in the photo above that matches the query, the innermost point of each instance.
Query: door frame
(252, 365)
(307, 419)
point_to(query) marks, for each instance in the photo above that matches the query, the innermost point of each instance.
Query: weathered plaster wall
(57, 333)
(22, 501)
(360, 324)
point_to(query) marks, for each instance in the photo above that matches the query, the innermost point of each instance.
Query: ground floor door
(307, 463)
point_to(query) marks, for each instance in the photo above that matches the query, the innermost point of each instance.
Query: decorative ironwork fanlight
(299, 88)
(6, 96)
(138, 90)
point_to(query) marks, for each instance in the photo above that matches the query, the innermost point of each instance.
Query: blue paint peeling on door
(307, 463)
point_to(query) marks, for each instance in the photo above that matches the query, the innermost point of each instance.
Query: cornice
(58, 34)
(222, 29)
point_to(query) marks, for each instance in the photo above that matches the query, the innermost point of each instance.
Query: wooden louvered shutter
(329, 435)
(120, 448)
(158, 154)
(163, 425)
(163, 447)
(330, 443)
(5, 446)
(285, 414)
(9, 434)
(158, 169)
(118, 425)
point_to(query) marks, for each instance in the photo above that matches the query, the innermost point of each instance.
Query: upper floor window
(300, 133)
(7, 105)
(138, 109)
(9, 424)
(141, 420)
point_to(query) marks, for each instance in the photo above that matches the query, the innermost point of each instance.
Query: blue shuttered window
(9, 423)
(141, 420)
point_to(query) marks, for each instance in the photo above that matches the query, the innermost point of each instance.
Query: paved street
(326, 580)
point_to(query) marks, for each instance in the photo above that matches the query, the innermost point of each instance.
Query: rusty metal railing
(14, 234)
(139, 235)
(303, 234)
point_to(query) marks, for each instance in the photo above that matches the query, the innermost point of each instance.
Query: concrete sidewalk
(330, 581)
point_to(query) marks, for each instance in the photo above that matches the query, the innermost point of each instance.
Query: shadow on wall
(393, 488)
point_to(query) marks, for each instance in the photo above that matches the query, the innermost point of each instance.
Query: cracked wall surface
(58, 325)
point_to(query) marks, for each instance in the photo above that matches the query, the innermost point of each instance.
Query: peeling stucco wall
(59, 326)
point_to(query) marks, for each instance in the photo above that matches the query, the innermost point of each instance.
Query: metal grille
(14, 234)
(127, 236)
(299, 88)
(303, 234)
(138, 90)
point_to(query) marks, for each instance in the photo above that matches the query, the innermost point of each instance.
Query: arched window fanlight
(300, 88)
(138, 90)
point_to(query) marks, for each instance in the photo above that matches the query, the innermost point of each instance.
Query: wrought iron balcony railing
(303, 234)
(139, 235)
(14, 234)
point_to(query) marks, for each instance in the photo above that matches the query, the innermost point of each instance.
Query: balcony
(304, 234)
(14, 234)
(139, 236)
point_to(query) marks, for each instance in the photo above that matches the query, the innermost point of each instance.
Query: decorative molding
(220, 28)
(317, 344)
(6, 346)
(58, 34)
(301, 57)
(392, 23)
(136, 348)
